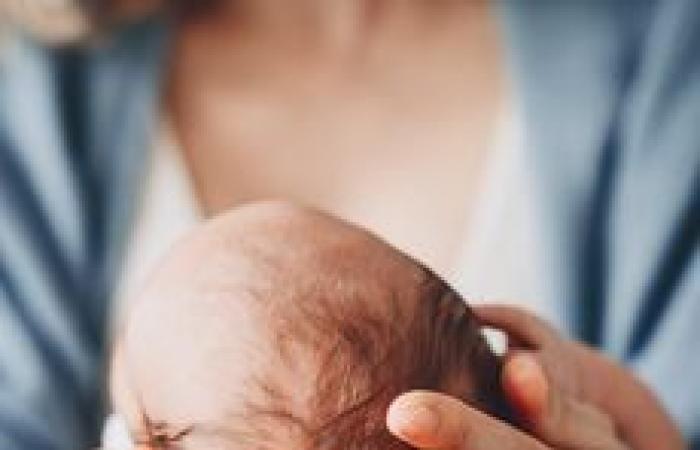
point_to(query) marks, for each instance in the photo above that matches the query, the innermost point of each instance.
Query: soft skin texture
(276, 326)
(568, 396)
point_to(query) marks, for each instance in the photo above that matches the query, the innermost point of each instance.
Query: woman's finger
(517, 323)
(556, 418)
(428, 420)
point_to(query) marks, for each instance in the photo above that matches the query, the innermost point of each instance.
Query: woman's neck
(334, 27)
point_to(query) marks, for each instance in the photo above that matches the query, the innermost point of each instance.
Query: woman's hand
(429, 420)
(567, 395)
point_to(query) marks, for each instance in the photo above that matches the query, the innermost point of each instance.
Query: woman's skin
(379, 112)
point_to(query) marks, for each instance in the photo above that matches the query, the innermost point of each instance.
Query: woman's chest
(394, 146)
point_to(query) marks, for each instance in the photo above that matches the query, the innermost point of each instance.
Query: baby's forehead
(215, 316)
(206, 353)
(185, 361)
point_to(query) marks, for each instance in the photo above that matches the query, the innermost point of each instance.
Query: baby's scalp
(275, 326)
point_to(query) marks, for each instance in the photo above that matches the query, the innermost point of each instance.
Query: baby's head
(278, 327)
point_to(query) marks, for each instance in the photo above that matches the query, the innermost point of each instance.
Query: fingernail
(411, 420)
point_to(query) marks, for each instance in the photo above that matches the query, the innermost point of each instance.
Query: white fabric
(168, 210)
(501, 257)
(115, 435)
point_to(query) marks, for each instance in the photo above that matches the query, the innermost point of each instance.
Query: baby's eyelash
(159, 435)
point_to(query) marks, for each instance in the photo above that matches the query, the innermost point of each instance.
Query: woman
(268, 88)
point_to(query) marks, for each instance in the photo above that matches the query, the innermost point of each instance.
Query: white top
(501, 257)
(168, 210)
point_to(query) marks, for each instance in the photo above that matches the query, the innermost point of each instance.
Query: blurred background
(537, 152)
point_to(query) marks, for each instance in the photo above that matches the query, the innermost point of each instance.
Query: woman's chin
(54, 25)
(65, 22)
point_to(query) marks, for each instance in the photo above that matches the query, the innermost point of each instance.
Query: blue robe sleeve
(74, 130)
(610, 95)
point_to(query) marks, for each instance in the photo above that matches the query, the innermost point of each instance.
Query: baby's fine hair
(362, 356)
(347, 323)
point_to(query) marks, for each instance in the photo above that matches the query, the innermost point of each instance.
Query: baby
(276, 327)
